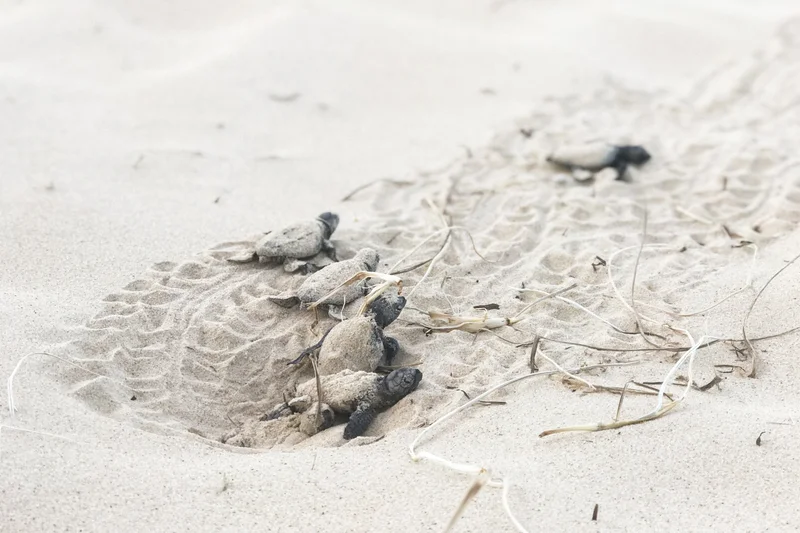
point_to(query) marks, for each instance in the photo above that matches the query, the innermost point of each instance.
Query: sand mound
(199, 348)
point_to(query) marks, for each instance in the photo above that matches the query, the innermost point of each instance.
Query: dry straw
(478, 470)
(665, 402)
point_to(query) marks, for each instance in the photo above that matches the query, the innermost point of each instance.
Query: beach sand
(143, 145)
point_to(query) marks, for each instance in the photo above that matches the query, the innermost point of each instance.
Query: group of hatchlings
(350, 352)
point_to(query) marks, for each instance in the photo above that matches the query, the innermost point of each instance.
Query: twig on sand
(568, 373)
(534, 347)
(441, 212)
(449, 229)
(12, 406)
(748, 284)
(473, 491)
(660, 409)
(426, 261)
(35, 432)
(622, 391)
(314, 362)
(479, 470)
(373, 182)
(748, 341)
(676, 349)
(472, 324)
(633, 282)
(578, 306)
(483, 402)
(610, 272)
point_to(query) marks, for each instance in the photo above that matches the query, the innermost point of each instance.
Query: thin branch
(636, 316)
(373, 182)
(747, 341)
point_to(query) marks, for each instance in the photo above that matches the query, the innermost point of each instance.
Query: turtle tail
(245, 257)
(359, 421)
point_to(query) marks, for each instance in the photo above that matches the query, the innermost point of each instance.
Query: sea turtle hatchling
(320, 284)
(295, 245)
(359, 343)
(357, 394)
(593, 157)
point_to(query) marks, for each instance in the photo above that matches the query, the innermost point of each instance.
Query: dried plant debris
(475, 324)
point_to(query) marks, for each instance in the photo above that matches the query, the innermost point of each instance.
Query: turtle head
(331, 222)
(369, 258)
(387, 308)
(635, 155)
(402, 381)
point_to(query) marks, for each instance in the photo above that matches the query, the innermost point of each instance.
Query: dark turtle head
(331, 222)
(387, 308)
(635, 155)
(401, 382)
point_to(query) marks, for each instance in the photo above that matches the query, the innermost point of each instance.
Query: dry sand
(143, 143)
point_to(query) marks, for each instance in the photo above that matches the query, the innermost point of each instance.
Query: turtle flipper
(359, 421)
(390, 349)
(298, 265)
(621, 167)
(336, 312)
(244, 257)
(280, 410)
(287, 302)
(311, 349)
(329, 249)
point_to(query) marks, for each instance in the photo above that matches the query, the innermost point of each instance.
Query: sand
(145, 145)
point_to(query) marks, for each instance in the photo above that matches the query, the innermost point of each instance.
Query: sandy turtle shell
(355, 344)
(359, 343)
(593, 157)
(295, 245)
(307, 421)
(303, 239)
(323, 282)
(359, 394)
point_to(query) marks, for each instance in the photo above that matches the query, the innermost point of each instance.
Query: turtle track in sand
(190, 339)
(199, 342)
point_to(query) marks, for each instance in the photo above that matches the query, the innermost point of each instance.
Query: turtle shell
(303, 239)
(344, 390)
(354, 344)
(321, 283)
(592, 156)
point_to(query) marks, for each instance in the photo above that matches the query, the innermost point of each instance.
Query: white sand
(137, 137)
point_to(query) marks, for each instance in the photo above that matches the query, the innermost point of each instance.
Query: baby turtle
(295, 245)
(307, 421)
(359, 343)
(597, 156)
(322, 283)
(358, 394)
